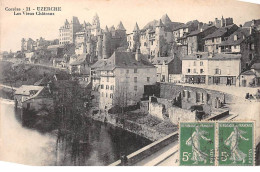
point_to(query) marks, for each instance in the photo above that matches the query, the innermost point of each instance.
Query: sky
(111, 12)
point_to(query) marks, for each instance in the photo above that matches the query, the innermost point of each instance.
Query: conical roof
(136, 27)
(165, 19)
(120, 26)
(160, 24)
(112, 28)
(106, 29)
(66, 21)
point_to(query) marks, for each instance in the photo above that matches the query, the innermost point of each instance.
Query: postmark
(235, 143)
(197, 143)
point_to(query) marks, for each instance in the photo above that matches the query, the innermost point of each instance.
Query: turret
(106, 49)
(120, 30)
(138, 53)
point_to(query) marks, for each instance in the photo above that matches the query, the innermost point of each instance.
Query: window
(217, 71)
(188, 71)
(102, 86)
(188, 94)
(148, 79)
(135, 79)
(111, 95)
(135, 88)
(127, 71)
(250, 56)
(235, 37)
(112, 87)
(107, 79)
(107, 87)
(102, 94)
(183, 93)
(135, 70)
(201, 71)
(194, 71)
(194, 64)
(208, 98)
(197, 97)
(202, 98)
(201, 63)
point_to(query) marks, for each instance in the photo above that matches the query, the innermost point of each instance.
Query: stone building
(67, 32)
(213, 40)
(219, 69)
(27, 44)
(32, 97)
(155, 38)
(184, 29)
(109, 40)
(244, 41)
(223, 22)
(195, 42)
(122, 79)
(166, 66)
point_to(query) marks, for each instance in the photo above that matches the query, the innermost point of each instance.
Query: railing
(148, 150)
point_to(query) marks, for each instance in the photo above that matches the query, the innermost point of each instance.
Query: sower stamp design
(197, 143)
(236, 143)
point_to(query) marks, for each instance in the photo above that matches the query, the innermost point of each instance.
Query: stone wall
(156, 109)
(210, 100)
(177, 114)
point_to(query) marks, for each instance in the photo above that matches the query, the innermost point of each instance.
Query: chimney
(137, 53)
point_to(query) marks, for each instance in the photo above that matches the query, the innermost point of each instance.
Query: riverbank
(138, 123)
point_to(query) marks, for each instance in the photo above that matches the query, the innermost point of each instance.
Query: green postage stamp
(236, 143)
(226, 143)
(197, 143)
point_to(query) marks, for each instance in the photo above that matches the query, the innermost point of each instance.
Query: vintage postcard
(130, 82)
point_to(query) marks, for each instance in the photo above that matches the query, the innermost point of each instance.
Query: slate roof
(81, 59)
(185, 25)
(160, 24)
(220, 32)
(99, 63)
(217, 56)
(160, 60)
(256, 66)
(136, 28)
(120, 26)
(169, 25)
(27, 90)
(125, 60)
(249, 23)
(241, 32)
(248, 72)
(196, 32)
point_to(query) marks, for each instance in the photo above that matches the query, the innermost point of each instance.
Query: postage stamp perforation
(234, 143)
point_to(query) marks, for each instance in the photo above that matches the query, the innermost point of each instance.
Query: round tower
(106, 50)
(99, 45)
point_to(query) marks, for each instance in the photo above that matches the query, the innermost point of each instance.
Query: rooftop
(161, 60)
(28, 90)
(241, 34)
(217, 56)
(81, 59)
(252, 23)
(220, 32)
(125, 60)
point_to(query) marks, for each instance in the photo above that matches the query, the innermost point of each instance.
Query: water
(95, 143)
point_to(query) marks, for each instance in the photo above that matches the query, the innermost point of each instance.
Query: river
(103, 143)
